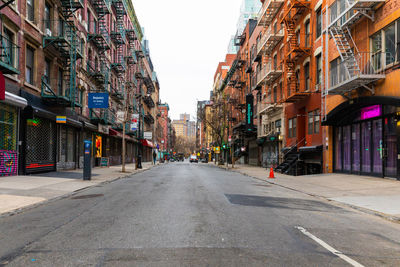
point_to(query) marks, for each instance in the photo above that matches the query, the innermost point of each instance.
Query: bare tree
(185, 145)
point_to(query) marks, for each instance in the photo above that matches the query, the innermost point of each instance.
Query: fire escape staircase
(67, 44)
(297, 47)
(68, 7)
(361, 68)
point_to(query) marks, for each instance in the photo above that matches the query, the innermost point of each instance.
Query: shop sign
(104, 128)
(148, 135)
(371, 112)
(98, 100)
(249, 112)
(120, 116)
(61, 119)
(134, 122)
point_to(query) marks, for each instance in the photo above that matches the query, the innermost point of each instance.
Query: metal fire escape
(297, 47)
(100, 71)
(360, 68)
(66, 43)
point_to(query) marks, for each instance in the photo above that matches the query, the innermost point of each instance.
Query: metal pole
(123, 131)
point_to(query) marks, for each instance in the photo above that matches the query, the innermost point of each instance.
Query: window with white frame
(319, 23)
(30, 10)
(386, 41)
(8, 42)
(318, 72)
(316, 121)
(29, 64)
(310, 122)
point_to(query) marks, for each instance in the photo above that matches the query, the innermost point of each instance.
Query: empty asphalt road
(182, 214)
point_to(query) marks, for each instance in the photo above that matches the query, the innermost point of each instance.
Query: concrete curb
(72, 193)
(385, 216)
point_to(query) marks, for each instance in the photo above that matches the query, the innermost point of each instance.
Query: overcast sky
(187, 40)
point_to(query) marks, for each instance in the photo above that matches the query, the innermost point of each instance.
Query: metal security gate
(40, 145)
(8, 141)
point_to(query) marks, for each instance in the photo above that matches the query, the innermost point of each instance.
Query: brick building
(361, 92)
(55, 55)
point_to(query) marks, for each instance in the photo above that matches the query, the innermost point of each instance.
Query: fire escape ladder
(344, 43)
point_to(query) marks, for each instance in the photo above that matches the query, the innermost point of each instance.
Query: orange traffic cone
(271, 173)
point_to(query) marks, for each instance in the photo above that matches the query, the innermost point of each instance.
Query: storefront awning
(114, 133)
(147, 143)
(335, 116)
(305, 149)
(14, 100)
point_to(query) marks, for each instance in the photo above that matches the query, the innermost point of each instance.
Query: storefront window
(366, 146)
(71, 145)
(355, 144)
(377, 145)
(338, 149)
(8, 128)
(346, 148)
(391, 147)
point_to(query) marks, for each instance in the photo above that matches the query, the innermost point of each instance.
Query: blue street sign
(98, 100)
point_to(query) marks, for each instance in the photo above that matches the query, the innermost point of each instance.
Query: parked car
(193, 158)
(204, 160)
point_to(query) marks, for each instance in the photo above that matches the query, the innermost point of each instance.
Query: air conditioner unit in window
(48, 32)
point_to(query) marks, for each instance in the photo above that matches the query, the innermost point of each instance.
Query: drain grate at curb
(87, 196)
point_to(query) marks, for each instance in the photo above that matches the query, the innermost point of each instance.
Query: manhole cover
(87, 196)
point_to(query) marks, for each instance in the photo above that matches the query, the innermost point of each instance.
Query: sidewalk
(17, 192)
(369, 194)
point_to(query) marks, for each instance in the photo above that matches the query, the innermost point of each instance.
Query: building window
(307, 36)
(275, 61)
(46, 76)
(275, 94)
(376, 42)
(310, 122)
(319, 23)
(316, 121)
(30, 10)
(398, 41)
(29, 65)
(318, 71)
(47, 18)
(390, 43)
(307, 76)
(60, 82)
(8, 40)
(338, 72)
(278, 125)
(292, 127)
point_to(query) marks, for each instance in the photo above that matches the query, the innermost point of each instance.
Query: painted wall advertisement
(8, 163)
(98, 146)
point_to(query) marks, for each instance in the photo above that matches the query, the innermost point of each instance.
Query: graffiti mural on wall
(8, 163)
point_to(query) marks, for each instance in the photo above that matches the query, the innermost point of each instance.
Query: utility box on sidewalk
(87, 164)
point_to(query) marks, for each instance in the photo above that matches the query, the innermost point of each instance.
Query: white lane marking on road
(329, 248)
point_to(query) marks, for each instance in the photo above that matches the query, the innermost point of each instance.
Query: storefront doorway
(369, 144)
